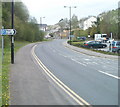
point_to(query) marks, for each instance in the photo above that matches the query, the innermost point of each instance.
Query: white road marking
(87, 59)
(116, 77)
(78, 62)
(70, 92)
(94, 63)
(62, 55)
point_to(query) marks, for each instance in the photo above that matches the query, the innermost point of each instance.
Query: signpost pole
(2, 48)
(12, 37)
(111, 42)
(2, 44)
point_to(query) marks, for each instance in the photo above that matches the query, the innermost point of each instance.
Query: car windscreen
(118, 43)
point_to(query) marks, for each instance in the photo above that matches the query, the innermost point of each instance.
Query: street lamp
(41, 21)
(60, 27)
(70, 18)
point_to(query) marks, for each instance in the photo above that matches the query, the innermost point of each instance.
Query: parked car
(94, 44)
(115, 46)
(81, 38)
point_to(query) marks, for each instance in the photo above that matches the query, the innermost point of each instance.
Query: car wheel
(103, 46)
(91, 47)
(118, 51)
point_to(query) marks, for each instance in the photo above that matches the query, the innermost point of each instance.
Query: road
(95, 79)
(30, 86)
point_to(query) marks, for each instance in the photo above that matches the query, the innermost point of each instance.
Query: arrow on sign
(7, 32)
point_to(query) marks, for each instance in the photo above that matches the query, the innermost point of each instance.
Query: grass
(6, 70)
(0, 76)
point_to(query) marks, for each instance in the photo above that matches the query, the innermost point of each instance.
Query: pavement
(29, 85)
(89, 52)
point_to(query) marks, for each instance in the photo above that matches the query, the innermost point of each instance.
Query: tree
(97, 23)
(63, 23)
(109, 23)
(21, 11)
(26, 26)
(74, 22)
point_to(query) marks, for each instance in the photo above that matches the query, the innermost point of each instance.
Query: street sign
(72, 36)
(7, 32)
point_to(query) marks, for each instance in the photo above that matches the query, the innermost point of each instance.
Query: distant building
(85, 23)
(42, 27)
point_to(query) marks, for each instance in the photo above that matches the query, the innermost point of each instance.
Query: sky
(53, 10)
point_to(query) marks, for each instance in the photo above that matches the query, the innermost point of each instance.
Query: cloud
(54, 10)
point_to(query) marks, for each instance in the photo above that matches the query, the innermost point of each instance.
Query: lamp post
(60, 28)
(41, 22)
(70, 7)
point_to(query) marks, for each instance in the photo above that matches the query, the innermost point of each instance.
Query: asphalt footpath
(89, 52)
(29, 85)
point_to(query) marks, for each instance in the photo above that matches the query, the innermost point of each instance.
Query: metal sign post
(2, 48)
(2, 44)
(11, 32)
(111, 42)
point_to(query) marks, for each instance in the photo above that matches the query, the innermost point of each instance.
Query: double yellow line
(70, 92)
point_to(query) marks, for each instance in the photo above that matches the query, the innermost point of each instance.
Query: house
(42, 27)
(85, 23)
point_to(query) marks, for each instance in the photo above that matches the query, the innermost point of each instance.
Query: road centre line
(62, 55)
(73, 59)
(116, 77)
(78, 62)
(70, 92)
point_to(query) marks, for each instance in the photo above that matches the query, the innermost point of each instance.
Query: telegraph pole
(12, 36)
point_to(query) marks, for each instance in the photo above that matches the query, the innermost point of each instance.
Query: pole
(2, 48)
(12, 37)
(40, 20)
(70, 25)
(41, 26)
(41, 23)
(111, 42)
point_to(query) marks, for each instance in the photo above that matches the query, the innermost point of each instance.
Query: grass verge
(6, 70)
(0, 76)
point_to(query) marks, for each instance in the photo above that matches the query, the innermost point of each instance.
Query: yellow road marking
(70, 92)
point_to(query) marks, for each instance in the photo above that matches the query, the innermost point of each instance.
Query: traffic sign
(72, 36)
(7, 32)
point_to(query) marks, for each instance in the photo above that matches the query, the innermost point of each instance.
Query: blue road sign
(3, 32)
(72, 36)
(7, 32)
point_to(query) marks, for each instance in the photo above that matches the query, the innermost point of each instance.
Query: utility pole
(12, 37)
(41, 22)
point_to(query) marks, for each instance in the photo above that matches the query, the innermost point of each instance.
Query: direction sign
(72, 36)
(7, 32)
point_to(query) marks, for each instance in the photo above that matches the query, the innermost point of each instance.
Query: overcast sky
(53, 10)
